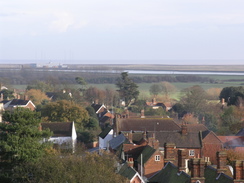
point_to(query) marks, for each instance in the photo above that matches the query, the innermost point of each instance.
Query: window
(191, 153)
(157, 158)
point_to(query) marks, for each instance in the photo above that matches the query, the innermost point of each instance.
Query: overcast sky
(123, 31)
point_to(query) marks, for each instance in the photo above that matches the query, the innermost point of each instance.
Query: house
(99, 109)
(150, 161)
(155, 105)
(211, 144)
(104, 137)
(190, 141)
(12, 104)
(233, 142)
(130, 173)
(200, 171)
(64, 134)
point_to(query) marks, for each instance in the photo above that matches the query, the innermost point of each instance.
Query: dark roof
(117, 141)
(170, 174)
(241, 132)
(212, 176)
(127, 171)
(190, 140)
(147, 124)
(18, 102)
(196, 127)
(205, 133)
(59, 129)
(105, 132)
(5, 101)
(96, 107)
(146, 154)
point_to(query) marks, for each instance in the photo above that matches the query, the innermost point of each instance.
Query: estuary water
(184, 72)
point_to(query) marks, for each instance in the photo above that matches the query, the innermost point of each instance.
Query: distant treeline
(27, 76)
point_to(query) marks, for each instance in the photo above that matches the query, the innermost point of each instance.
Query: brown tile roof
(59, 129)
(190, 140)
(133, 150)
(196, 127)
(147, 124)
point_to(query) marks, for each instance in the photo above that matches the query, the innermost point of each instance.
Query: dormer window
(191, 153)
(157, 157)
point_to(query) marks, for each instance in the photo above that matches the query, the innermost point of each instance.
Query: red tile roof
(232, 141)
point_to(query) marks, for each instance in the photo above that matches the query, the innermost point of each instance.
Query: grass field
(222, 81)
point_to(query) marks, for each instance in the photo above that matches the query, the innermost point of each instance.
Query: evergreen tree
(128, 89)
(20, 140)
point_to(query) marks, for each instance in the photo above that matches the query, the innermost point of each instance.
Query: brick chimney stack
(169, 155)
(221, 161)
(197, 170)
(238, 171)
(182, 160)
(142, 113)
(183, 129)
(130, 162)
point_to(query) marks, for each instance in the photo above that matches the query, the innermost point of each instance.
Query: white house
(104, 137)
(64, 134)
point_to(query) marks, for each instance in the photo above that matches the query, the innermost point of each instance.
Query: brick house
(12, 104)
(150, 161)
(200, 171)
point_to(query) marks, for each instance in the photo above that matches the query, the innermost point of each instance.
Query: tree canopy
(20, 139)
(128, 89)
(65, 111)
(232, 95)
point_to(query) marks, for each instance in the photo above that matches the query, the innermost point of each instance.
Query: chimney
(238, 170)
(183, 129)
(223, 101)
(182, 160)
(26, 97)
(203, 120)
(153, 142)
(169, 152)
(130, 136)
(142, 113)
(197, 170)
(127, 113)
(154, 101)
(221, 161)
(130, 162)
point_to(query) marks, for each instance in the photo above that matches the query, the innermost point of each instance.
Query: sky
(122, 31)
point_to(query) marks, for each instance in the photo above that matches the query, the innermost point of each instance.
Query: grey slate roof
(59, 129)
(117, 141)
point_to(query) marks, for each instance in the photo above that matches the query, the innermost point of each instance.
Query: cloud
(62, 22)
